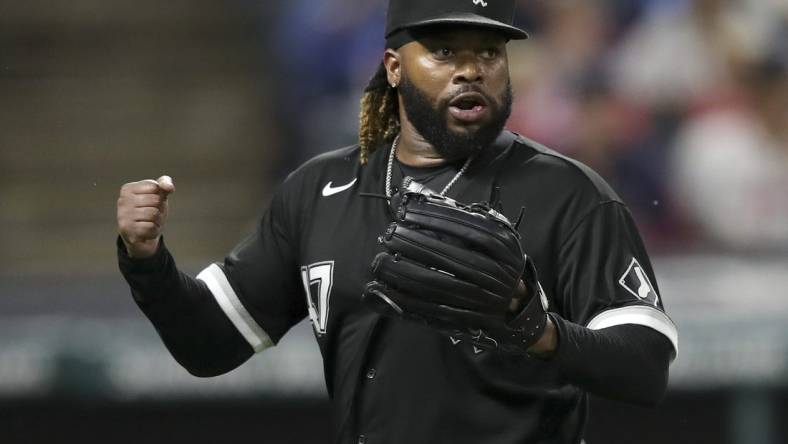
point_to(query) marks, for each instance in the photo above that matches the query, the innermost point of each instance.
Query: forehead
(459, 36)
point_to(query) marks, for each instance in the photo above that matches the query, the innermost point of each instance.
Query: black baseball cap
(409, 15)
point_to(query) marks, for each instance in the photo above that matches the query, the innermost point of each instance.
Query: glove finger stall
(491, 237)
(449, 319)
(425, 248)
(393, 304)
(414, 279)
(375, 297)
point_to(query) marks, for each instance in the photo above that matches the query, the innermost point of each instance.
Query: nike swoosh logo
(328, 190)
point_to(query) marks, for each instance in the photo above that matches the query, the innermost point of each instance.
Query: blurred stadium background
(681, 104)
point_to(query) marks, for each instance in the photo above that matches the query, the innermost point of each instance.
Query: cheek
(429, 76)
(499, 78)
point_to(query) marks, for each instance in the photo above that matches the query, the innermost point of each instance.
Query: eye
(490, 53)
(443, 53)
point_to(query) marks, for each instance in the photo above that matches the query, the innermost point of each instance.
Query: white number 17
(318, 279)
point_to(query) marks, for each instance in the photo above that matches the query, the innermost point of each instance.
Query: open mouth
(468, 101)
(468, 107)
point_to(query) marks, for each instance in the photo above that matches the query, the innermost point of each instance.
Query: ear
(392, 62)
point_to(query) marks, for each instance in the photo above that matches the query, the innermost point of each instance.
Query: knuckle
(140, 187)
(131, 187)
(123, 218)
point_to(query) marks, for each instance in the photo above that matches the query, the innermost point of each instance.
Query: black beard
(430, 120)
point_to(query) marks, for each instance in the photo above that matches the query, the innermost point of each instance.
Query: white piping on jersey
(225, 296)
(639, 315)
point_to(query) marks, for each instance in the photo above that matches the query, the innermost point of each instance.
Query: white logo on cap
(480, 2)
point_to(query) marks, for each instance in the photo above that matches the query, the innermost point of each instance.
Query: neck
(412, 149)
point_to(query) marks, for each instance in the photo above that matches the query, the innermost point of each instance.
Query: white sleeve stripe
(225, 296)
(640, 315)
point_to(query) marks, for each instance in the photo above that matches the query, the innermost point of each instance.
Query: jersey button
(371, 373)
(362, 439)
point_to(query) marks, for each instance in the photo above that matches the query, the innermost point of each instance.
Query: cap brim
(468, 19)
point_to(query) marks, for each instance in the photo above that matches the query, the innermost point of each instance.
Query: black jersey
(394, 382)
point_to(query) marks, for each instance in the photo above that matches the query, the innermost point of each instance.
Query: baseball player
(465, 283)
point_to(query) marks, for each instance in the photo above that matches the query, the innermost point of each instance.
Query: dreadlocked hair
(379, 115)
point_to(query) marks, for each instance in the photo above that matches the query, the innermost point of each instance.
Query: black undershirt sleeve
(625, 362)
(185, 314)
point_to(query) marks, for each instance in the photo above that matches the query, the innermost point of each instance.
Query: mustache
(470, 88)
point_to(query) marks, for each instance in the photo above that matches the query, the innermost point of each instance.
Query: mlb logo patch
(636, 281)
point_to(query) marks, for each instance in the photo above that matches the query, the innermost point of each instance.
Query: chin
(465, 129)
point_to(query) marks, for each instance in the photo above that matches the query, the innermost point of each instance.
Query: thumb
(166, 185)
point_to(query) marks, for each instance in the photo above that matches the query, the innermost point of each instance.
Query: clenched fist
(142, 213)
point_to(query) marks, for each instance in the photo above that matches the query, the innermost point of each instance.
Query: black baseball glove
(458, 268)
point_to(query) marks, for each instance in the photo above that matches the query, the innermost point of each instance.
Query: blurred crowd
(682, 105)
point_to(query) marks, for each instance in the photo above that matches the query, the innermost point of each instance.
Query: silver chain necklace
(456, 177)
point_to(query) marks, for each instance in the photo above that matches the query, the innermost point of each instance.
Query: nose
(468, 71)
